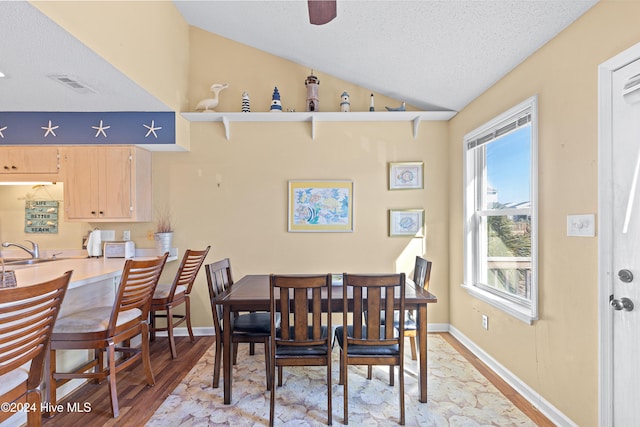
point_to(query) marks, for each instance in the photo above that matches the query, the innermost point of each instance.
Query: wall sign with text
(41, 216)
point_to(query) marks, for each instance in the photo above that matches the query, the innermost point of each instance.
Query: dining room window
(500, 159)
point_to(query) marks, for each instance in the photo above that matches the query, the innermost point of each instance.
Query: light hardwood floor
(138, 402)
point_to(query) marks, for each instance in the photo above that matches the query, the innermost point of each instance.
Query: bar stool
(101, 328)
(27, 317)
(170, 295)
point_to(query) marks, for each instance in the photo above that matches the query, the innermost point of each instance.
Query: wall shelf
(363, 116)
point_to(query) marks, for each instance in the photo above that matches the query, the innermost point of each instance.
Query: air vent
(72, 83)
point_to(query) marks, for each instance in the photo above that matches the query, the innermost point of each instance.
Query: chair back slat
(27, 316)
(285, 310)
(137, 285)
(188, 270)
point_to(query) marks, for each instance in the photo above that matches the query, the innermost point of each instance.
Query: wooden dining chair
(168, 296)
(372, 343)
(27, 317)
(421, 278)
(101, 329)
(246, 328)
(302, 339)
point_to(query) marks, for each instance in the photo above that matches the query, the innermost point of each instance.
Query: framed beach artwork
(406, 222)
(320, 206)
(406, 175)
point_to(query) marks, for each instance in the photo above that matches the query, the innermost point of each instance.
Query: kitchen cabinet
(29, 163)
(107, 184)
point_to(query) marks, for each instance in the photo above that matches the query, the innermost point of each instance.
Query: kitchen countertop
(85, 270)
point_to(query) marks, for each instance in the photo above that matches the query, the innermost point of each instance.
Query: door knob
(625, 275)
(622, 304)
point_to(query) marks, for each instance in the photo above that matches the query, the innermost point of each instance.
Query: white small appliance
(120, 249)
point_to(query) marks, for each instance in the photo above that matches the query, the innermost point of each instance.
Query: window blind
(502, 128)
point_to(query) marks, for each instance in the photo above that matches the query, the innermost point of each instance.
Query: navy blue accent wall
(62, 128)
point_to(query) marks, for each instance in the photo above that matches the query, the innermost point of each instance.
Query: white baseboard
(182, 332)
(550, 411)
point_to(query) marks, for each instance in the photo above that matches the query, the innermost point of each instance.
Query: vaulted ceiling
(433, 54)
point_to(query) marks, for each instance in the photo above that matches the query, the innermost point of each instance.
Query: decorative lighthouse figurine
(345, 104)
(313, 102)
(276, 106)
(246, 102)
(371, 107)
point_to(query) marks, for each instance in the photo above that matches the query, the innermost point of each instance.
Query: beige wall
(557, 356)
(244, 218)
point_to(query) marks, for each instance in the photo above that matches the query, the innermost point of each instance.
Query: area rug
(458, 395)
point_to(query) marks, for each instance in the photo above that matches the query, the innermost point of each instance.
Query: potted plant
(164, 231)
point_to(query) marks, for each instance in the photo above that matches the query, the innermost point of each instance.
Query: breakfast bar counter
(93, 283)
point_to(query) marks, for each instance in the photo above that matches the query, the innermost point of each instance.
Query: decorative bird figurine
(402, 107)
(210, 103)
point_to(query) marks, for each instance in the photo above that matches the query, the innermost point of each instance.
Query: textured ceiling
(433, 54)
(32, 47)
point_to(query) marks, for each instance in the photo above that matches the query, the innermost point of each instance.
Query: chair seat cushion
(163, 289)
(365, 350)
(254, 323)
(312, 350)
(92, 320)
(14, 378)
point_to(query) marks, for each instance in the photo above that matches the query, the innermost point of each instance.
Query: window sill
(512, 309)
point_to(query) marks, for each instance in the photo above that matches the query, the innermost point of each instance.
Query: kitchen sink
(29, 261)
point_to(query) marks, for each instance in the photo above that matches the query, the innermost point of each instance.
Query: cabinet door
(29, 160)
(107, 184)
(114, 188)
(81, 183)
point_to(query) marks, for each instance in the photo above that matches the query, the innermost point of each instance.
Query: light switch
(581, 225)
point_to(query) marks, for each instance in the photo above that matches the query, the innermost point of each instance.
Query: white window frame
(525, 310)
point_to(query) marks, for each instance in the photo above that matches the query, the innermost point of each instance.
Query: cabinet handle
(14, 168)
(6, 168)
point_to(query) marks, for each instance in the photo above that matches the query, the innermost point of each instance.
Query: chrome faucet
(34, 251)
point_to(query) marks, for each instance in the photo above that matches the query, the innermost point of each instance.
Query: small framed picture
(406, 175)
(406, 222)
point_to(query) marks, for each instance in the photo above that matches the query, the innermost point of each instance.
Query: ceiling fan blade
(321, 11)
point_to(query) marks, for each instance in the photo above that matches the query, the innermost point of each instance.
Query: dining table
(251, 293)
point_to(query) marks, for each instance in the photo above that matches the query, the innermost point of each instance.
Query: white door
(620, 250)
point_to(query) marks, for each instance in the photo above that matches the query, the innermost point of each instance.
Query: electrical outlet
(150, 235)
(126, 235)
(485, 322)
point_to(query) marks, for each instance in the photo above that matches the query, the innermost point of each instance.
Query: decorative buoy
(313, 102)
(246, 107)
(276, 106)
(345, 104)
